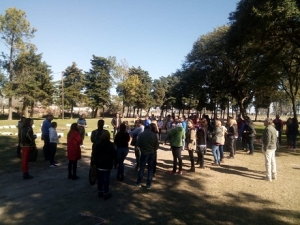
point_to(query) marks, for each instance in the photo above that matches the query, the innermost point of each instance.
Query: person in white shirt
(53, 143)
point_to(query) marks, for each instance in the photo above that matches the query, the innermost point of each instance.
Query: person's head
(74, 126)
(54, 124)
(117, 115)
(105, 136)
(218, 123)
(277, 116)
(83, 116)
(231, 121)
(190, 124)
(268, 122)
(122, 127)
(23, 118)
(295, 120)
(28, 122)
(100, 124)
(154, 128)
(49, 117)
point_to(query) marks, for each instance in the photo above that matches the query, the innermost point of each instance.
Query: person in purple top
(45, 136)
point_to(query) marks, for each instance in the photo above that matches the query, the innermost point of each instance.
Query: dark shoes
(75, 177)
(26, 176)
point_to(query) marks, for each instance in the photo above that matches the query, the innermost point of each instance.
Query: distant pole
(62, 96)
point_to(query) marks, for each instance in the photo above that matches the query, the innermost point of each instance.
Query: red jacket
(73, 145)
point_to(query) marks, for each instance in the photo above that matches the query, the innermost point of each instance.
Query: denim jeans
(231, 146)
(250, 144)
(176, 152)
(137, 153)
(216, 153)
(221, 150)
(147, 158)
(103, 181)
(122, 153)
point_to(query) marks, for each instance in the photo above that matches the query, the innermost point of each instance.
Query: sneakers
(53, 165)
(137, 185)
(274, 177)
(179, 172)
(148, 187)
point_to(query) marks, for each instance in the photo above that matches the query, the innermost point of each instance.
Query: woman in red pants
(27, 142)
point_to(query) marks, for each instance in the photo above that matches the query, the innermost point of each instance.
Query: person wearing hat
(45, 136)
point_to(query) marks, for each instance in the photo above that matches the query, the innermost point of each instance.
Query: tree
(73, 82)
(32, 82)
(15, 30)
(144, 100)
(98, 82)
(272, 28)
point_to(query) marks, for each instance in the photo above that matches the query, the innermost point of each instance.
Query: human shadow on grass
(241, 171)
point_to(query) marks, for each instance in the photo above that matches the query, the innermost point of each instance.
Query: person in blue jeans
(121, 141)
(148, 143)
(217, 139)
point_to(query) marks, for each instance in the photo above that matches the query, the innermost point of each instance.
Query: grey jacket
(269, 138)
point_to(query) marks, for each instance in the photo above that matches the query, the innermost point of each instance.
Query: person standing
(293, 132)
(249, 132)
(217, 139)
(121, 141)
(230, 137)
(269, 140)
(279, 127)
(191, 142)
(20, 123)
(45, 136)
(27, 143)
(147, 121)
(134, 135)
(116, 122)
(104, 154)
(53, 143)
(201, 135)
(176, 135)
(154, 129)
(73, 149)
(160, 125)
(81, 122)
(148, 143)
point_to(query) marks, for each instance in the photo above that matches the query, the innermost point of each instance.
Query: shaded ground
(233, 193)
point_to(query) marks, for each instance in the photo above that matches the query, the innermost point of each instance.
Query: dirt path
(233, 193)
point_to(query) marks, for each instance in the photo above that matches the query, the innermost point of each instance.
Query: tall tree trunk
(71, 115)
(32, 109)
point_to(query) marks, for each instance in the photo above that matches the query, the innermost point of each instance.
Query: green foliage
(98, 82)
(73, 82)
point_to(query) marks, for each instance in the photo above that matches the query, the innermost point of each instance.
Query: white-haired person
(269, 140)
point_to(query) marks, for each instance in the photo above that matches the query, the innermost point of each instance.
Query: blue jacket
(45, 127)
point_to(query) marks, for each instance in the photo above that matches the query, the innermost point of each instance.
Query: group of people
(190, 134)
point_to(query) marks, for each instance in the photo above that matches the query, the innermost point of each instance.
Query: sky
(155, 34)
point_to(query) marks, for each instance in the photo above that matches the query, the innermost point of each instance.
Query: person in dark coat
(104, 154)
(293, 132)
(121, 141)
